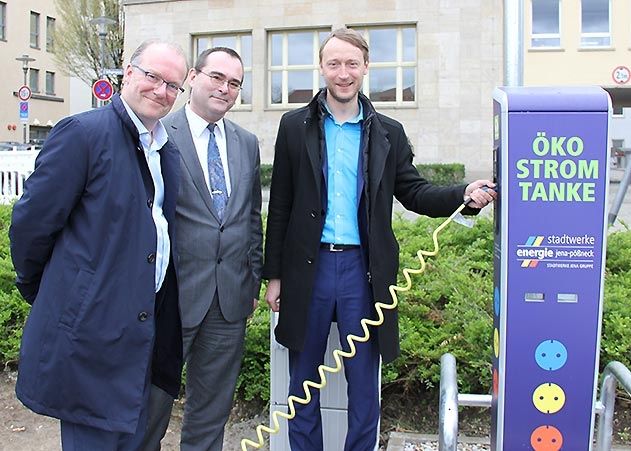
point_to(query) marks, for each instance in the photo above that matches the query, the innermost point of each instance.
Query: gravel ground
(23, 430)
(424, 442)
(433, 446)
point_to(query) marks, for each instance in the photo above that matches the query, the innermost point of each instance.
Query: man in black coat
(330, 251)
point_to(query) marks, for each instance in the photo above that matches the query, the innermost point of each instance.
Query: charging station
(551, 163)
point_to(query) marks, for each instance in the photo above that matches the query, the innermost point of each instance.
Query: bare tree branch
(76, 41)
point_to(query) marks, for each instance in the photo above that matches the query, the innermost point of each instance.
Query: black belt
(332, 247)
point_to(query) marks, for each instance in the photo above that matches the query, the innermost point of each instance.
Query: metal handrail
(622, 191)
(450, 399)
(448, 404)
(614, 373)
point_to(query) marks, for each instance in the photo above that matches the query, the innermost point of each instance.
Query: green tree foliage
(76, 40)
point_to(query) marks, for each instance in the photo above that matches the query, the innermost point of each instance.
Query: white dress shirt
(201, 135)
(151, 142)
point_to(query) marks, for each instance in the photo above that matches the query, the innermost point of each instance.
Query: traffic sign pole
(23, 110)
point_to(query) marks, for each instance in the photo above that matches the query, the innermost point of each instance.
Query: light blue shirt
(152, 142)
(342, 152)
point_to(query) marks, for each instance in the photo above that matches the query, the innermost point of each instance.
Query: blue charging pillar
(551, 163)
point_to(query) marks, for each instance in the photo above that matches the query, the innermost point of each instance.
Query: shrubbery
(448, 309)
(442, 173)
(13, 309)
(437, 173)
(266, 175)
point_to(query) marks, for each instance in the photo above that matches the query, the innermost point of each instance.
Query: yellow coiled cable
(338, 354)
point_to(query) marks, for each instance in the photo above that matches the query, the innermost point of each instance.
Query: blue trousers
(341, 291)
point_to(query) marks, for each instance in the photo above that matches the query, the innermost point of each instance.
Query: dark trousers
(79, 437)
(341, 290)
(213, 351)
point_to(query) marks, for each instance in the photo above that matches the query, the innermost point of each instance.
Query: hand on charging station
(480, 193)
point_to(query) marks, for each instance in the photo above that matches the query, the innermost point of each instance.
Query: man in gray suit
(219, 240)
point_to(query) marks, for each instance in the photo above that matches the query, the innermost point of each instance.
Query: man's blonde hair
(348, 35)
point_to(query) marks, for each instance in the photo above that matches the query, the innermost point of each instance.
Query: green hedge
(442, 173)
(448, 309)
(13, 309)
(266, 175)
(439, 174)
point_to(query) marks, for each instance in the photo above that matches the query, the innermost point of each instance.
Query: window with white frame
(293, 65)
(545, 24)
(33, 79)
(3, 21)
(391, 76)
(242, 44)
(34, 34)
(595, 23)
(50, 30)
(50, 83)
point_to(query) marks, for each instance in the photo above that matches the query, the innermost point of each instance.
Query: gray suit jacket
(212, 255)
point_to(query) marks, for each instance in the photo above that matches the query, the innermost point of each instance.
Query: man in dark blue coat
(91, 242)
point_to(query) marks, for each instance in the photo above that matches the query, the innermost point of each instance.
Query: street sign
(118, 72)
(24, 93)
(102, 89)
(621, 75)
(24, 112)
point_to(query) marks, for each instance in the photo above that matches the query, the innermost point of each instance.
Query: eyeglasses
(218, 80)
(156, 81)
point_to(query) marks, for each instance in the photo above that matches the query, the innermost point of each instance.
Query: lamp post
(25, 59)
(102, 23)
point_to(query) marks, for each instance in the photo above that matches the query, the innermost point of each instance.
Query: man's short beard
(340, 99)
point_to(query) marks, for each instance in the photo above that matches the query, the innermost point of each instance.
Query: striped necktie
(216, 176)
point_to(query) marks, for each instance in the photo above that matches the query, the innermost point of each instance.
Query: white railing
(15, 167)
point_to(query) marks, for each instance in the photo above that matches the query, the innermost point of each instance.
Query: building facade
(583, 42)
(433, 65)
(26, 30)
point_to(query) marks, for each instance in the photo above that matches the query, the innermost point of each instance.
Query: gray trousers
(213, 351)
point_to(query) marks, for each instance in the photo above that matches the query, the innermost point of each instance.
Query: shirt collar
(150, 140)
(198, 125)
(353, 120)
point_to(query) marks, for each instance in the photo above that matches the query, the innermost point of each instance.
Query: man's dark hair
(201, 59)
